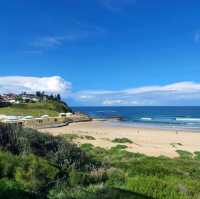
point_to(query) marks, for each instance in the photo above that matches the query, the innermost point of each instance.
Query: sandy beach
(149, 141)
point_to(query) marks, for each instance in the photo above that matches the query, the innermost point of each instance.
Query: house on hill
(28, 97)
(9, 98)
(3, 101)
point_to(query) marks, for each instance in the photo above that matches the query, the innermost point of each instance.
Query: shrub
(9, 189)
(75, 177)
(62, 153)
(149, 186)
(197, 155)
(8, 164)
(70, 137)
(176, 144)
(120, 146)
(122, 140)
(116, 177)
(184, 154)
(88, 137)
(34, 173)
(87, 147)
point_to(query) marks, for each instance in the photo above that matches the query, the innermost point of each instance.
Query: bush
(116, 177)
(87, 147)
(197, 155)
(8, 164)
(75, 177)
(88, 137)
(9, 189)
(34, 173)
(64, 154)
(37, 162)
(122, 140)
(184, 154)
(120, 146)
(70, 137)
(149, 186)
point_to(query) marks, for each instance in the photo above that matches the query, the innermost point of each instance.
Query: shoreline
(147, 126)
(149, 141)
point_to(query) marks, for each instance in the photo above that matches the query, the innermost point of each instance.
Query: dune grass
(88, 137)
(176, 144)
(122, 140)
(184, 154)
(70, 137)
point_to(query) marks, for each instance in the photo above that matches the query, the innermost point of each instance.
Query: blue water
(162, 117)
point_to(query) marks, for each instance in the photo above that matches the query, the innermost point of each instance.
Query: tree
(51, 97)
(58, 97)
(38, 94)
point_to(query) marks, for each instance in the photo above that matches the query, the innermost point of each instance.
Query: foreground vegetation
(35, 165)
(50, 107)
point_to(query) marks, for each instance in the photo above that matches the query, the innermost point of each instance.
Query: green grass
(184, 154)
(50, 108)
(122, 140)
(70, 137)
(197, 155)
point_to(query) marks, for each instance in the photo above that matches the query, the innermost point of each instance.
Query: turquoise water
(164, 117)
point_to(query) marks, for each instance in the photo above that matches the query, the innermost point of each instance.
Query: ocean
(162, 117)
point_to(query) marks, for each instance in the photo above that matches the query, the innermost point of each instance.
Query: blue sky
(102, 48)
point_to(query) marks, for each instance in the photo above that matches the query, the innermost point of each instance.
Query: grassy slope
(38, 166)
(50, 108)
(54, 168)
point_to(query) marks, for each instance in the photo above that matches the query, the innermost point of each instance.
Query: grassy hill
(51, 108)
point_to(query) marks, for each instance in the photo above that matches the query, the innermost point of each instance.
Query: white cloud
(176, 87)
(112, 102)
(18, 84)
(181, 93)
(81, 32)
(48, 41)
(53, 41)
